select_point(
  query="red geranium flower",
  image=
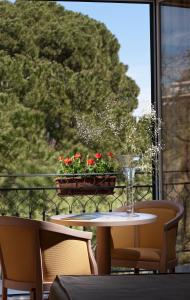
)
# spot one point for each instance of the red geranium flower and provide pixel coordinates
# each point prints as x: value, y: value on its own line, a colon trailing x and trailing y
x: 90, y: 162
x: 98, y: 155
x: 79, y: 163
x: 67, y: 161
x: 110, y: 154
x: 60, y: 158
x: 77, y: 155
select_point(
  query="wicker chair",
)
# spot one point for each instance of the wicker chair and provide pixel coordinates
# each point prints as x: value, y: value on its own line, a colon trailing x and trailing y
x: 33, y: 252
x: 150, y: 246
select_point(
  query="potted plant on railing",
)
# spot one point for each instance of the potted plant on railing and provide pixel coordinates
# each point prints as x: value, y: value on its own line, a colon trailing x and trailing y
x: 86, y: 175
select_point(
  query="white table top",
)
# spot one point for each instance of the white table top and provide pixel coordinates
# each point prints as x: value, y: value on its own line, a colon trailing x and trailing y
x: 104, y: 219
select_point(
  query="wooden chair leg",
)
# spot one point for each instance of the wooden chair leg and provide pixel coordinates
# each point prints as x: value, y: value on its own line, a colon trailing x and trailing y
x: 4, y: 293
x: 172, y: 270
x: 32, y: 294
x: 163, y: 270
x: 136, y: 271
x: 39, y: 293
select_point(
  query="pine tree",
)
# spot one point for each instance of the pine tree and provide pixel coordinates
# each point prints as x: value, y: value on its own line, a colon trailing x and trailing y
x: 55, y: 66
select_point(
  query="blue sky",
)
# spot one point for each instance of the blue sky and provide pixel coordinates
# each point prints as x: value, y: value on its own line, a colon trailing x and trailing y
x: 130, y: 24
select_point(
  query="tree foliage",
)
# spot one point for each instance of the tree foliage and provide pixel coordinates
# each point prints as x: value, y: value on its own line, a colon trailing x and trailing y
x: 55, y: 66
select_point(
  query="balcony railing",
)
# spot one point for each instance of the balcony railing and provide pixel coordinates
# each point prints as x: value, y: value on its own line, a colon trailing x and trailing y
x: 35, y: 195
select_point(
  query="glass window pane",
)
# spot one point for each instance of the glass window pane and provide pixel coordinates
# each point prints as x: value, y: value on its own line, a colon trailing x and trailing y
x: 175, y: 53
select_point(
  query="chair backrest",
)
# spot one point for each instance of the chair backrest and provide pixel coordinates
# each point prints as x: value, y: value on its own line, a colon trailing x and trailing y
x: 149, y: 235
x: 123, y: 237
x: 65, y: 253
x: 19, y: 249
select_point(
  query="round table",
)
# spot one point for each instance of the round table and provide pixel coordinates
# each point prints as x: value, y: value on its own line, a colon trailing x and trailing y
x: 103, y: 222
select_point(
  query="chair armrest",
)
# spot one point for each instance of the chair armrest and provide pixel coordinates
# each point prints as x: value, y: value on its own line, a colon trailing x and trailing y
x: 169, y: 244
x: 174, y: 222
x: 169, y: 236
x: 169, y: 225
x: 52, y: 227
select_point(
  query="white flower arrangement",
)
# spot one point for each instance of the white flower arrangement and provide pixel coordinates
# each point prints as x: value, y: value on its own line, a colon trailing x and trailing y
x: 136, y: 136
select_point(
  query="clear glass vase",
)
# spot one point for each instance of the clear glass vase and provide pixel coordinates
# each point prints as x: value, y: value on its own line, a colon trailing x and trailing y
x: 129, y: 164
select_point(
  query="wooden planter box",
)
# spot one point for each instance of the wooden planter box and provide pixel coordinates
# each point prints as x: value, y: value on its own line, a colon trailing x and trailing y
x: 88, y: 185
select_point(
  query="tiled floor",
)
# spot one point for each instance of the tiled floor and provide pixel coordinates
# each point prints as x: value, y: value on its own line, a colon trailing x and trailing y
x: 22, y: 297
x: 183, y: 269
x: 18, y: 295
